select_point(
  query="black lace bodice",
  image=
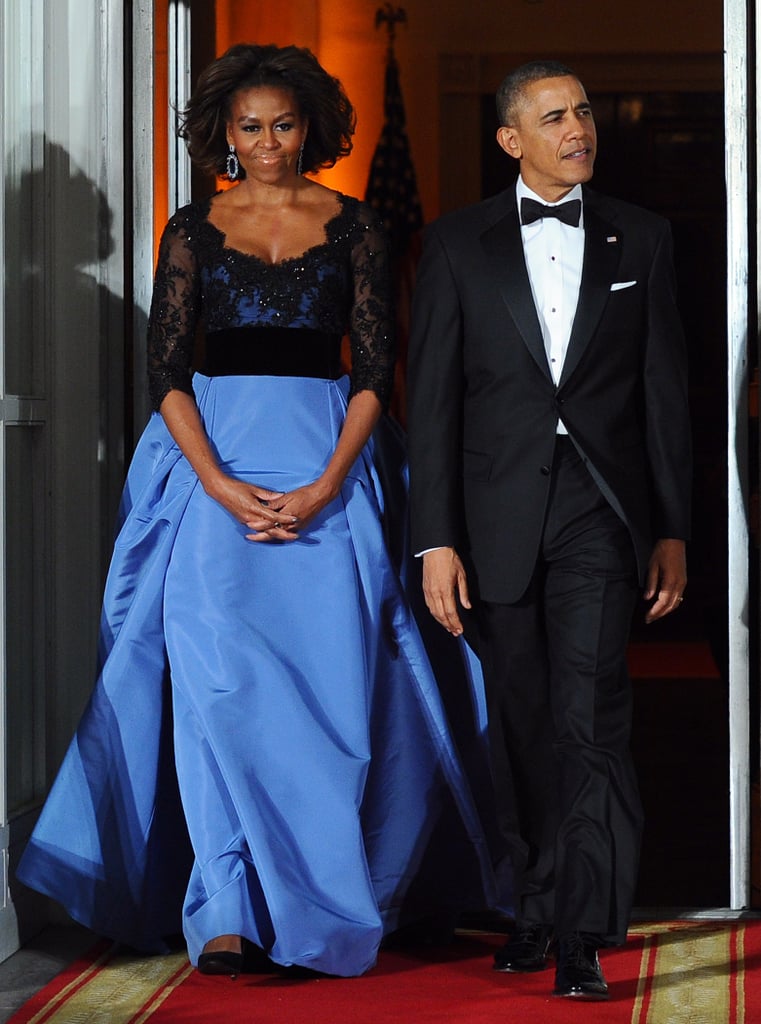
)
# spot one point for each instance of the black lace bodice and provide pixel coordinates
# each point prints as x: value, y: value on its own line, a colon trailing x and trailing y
x: 343, y: 284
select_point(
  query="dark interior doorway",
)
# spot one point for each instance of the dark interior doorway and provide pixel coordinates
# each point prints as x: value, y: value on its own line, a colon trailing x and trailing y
x: 665, y: 151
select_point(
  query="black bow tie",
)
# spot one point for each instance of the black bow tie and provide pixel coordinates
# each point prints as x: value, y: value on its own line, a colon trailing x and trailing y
x: 568, y: 212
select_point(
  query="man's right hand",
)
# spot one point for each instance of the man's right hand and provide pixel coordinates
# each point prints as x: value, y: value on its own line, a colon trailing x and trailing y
x: 443, y: 576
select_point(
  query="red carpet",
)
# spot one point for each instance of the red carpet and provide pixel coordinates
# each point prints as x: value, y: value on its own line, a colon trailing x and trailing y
x: 685, y: 971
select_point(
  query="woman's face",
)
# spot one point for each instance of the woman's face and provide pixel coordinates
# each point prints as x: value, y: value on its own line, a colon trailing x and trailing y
x: 267, y: 130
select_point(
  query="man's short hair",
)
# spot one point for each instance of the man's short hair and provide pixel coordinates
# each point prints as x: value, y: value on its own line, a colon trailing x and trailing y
x: 510, y: 92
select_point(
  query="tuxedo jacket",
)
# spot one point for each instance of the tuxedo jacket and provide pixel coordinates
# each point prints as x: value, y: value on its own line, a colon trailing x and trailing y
x: 483, y: 407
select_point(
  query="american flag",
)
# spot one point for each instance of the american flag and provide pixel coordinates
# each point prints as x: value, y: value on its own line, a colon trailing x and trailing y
x: 392, y: 185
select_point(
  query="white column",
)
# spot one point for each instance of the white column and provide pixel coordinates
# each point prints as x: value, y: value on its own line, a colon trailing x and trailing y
x: 143, y: 190
x: 737, y: 130
x: 179, y: 93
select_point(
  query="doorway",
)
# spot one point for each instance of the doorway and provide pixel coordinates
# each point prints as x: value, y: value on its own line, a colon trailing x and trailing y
x: 661, y: 146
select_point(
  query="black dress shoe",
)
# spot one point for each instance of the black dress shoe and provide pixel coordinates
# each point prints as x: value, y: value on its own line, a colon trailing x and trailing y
x: 578, y: 974
x: 525, y: 951
x: 222, y: 962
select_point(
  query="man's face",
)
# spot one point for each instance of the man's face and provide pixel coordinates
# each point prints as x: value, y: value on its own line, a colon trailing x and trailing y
x: 554, y: 137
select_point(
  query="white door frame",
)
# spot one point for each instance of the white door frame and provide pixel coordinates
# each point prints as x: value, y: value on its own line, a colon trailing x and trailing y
x: 143, y: 192
x: 738, y: 183
x: 144, y: 189
x: 178, y: 58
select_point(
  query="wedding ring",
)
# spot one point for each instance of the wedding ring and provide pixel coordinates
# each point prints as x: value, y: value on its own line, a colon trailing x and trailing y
x: 278, y: 526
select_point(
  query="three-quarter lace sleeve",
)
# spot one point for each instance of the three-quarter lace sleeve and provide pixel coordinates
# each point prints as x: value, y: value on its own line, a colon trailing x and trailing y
x: 175, y: 310
x: 371, y: 325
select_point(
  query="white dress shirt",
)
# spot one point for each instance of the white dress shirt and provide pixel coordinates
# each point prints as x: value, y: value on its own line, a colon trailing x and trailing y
x: 554, y: 254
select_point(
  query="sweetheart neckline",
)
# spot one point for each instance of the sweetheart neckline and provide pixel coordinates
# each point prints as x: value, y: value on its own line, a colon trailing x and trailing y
x: 286, y: 260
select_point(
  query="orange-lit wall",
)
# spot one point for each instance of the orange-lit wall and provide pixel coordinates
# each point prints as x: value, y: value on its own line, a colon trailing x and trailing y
x: 268, y: 21
x: 343, y: 35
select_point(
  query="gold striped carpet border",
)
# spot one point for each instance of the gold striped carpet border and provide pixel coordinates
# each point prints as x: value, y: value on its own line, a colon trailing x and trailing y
x: 689, y: 973
x: 117, y: 988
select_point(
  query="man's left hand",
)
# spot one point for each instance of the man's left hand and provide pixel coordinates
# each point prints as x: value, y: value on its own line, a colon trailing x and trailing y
x: 666, y: 578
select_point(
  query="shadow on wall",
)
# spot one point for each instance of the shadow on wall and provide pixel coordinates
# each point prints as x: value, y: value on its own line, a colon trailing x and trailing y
x: 68, y: 333
x: 66, y: 350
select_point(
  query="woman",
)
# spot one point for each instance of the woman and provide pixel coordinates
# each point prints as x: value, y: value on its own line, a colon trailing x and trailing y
x: 310, y: 749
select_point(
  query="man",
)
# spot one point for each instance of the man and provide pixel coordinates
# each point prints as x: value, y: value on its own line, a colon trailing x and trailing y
x: 550, y: 480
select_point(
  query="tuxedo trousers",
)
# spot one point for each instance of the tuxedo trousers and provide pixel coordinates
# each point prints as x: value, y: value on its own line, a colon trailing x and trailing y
x: 559, y: 706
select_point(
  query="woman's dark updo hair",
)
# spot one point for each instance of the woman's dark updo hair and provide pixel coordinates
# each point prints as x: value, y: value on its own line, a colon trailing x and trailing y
x: 320, y: 98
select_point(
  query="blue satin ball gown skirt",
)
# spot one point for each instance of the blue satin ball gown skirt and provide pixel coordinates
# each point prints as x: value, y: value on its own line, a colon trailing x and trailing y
x: 272, y: 703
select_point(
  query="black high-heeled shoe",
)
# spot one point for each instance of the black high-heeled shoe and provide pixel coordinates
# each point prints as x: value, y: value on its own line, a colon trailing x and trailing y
x: 222, y: 962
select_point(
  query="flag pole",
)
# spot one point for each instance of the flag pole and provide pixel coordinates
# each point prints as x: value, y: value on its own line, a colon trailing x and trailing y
x: 392, y: 192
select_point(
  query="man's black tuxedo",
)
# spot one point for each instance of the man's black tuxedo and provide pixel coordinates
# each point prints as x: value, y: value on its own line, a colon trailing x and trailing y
x: 554, y: 534
x: 484, y: 408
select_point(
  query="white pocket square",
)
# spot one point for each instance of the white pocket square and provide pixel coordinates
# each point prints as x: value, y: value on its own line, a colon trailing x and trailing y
x: 618, y: 285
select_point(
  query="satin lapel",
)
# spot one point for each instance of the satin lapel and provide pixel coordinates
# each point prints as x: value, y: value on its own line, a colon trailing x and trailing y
x: 602, y: 253
x: 504, y: 247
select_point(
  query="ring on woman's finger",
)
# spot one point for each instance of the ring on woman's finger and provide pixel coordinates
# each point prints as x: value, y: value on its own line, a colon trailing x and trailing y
x: 278, y: 526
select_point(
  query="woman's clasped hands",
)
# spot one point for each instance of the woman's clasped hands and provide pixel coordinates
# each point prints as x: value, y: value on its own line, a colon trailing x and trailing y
x: 271, y: 515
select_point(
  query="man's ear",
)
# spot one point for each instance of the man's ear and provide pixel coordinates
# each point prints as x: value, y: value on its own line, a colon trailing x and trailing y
x: 507, y: 139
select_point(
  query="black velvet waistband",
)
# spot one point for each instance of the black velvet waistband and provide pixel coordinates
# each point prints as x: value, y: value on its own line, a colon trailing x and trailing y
x: 272, y: 351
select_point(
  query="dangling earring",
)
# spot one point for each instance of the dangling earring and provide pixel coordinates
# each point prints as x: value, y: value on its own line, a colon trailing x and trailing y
x: 300, y: 162
x: 232, y: 165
